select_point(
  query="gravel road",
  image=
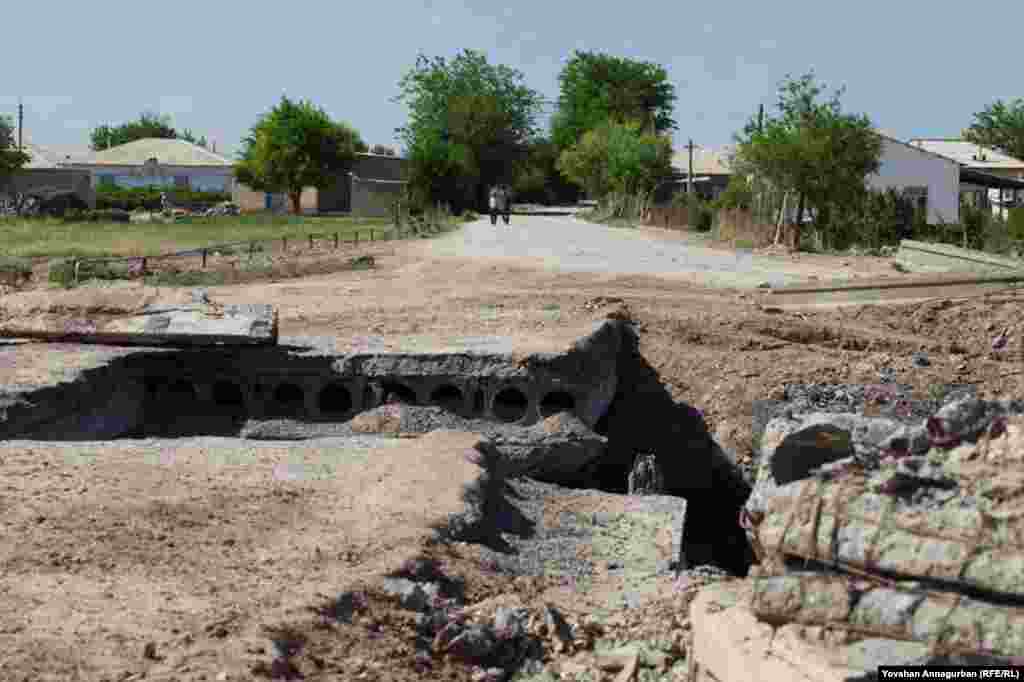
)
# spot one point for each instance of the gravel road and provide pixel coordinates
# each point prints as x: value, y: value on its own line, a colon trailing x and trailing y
x: 569, y: 244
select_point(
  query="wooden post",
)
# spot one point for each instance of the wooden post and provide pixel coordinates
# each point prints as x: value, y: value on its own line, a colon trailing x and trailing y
x: 252, y: 249
x: 357, y: 236
x: 335, y: 240
x: 689, y: 175
x: 77, y: 263
x: 204, y: 259
x: 311, y: 242
x: 284, y: 243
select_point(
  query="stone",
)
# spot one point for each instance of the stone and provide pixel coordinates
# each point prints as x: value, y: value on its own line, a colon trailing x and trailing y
x: 474, y: 643
x: 645, y: 478
x: 559, y: 449
x: 510, y: 623
x: 154, y: 325
x: 411, y: 595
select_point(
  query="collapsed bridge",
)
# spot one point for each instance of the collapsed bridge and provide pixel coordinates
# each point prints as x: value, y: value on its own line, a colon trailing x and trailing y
x: 600, y: 383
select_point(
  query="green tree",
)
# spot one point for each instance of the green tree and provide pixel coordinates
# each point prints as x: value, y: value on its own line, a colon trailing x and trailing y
x: 814, y: 151
x: 11, y: 158
x: 537, y: 178
x: 293, y: 146
x: 469, y: 125
x: 148, y: 125
x: 617, y: 160
x: 189, y: 136
x: 1000, y: 125
x: 596, y: 87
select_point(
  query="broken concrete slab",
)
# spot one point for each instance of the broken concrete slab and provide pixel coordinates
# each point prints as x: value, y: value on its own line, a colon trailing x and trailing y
x: 733, y: 645
x: 154, y: 325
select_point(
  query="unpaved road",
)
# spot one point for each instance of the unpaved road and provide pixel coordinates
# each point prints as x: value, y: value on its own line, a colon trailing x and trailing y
x: 570, y: 244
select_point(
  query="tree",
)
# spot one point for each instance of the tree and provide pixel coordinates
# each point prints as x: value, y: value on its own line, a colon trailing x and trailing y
x: 1000, y: 125
x: 11, y: 158
x: 596, y: 87
x: 189, y: 136
x: 537, y: 178
x: 293, y: 146
x: 382, y: 149
x: 469, y: 124
x: 813, y: 150
x: 618, y: 160
x: 148, y: 125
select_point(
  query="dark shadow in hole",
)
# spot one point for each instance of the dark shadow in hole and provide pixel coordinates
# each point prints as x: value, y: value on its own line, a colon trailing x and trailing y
x: 510, y: 405
x: 396, y: 392
x: 478, y: 402
x: 228, y: 394
x: 555, y: 402
x: 448, y: 397
x: 287, y: 401
x: 644, y: 417
x: 335, y: 398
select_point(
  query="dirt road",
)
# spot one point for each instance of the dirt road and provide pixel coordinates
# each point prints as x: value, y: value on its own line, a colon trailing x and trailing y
x: 570, y: 244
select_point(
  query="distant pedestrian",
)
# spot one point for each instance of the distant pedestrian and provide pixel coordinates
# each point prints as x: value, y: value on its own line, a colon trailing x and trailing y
x: 498, y: 204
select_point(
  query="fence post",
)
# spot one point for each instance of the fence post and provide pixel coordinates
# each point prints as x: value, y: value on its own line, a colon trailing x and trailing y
x: 252, y: 249
x: 311, y: 241
x: 77, y: 262
x: 335, y: 240
x: 284, y: 243
x: 357, y: 236
x: 204, y: 258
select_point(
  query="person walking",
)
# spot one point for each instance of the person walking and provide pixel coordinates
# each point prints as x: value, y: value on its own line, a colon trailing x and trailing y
x: 499, y: 204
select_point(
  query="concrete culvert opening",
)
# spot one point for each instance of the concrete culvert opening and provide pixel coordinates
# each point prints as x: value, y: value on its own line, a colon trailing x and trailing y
x: 478, y: 401
x: 448, y: 397
x: 510, y: 405
x: 395, y: 392
x: 181, y: 392
x: 288, y: 400
x: 335, y: 399
x: 555, y: 402
x: 227, y: 394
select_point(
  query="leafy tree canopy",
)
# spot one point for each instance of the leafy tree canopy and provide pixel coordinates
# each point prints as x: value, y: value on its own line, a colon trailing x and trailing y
x: 596, y: 87
x: 148, y: 125
x: 469, y: 123
x: 812, y: 149
x: 293, y: 146
x: 618, y: 158
x: 1001, y: 126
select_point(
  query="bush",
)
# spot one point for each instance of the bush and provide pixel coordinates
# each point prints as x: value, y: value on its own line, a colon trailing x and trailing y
x: 98, y: 216
x: 701, y: 213
x: 148, y: 198
x: 16, y: 266
x: 62, y: 271
x: 1015, y: 224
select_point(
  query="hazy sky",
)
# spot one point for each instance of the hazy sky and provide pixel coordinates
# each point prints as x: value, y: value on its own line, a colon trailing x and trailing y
x: 917, y: 69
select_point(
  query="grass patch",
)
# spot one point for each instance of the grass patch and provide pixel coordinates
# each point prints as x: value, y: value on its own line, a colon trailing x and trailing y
x: 15, y: 266
x: 55, y: 238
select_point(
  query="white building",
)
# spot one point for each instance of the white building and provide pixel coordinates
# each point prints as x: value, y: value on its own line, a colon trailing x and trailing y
x: 980, y: 162
x: 160, y: 162
x: 933, y: 180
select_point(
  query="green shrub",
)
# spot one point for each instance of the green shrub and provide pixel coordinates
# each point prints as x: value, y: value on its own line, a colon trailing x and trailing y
x: 16, y: 266
x: 62, y: 271
x: 1015, y: 224
x: 148, y: 198
x: 112, y: 215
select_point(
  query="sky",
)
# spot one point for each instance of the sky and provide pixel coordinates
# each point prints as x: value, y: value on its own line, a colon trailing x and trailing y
x: 915, y: 69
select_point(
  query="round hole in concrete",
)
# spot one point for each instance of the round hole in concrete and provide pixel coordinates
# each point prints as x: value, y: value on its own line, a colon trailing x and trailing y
x: 335, y: 399
x: 555, y: 402
x: 510, y: 405
x: 227, y: 394
x: 395, y: 391
x: 478, y: 401
x: 288, y: 398
x: 449, y: 397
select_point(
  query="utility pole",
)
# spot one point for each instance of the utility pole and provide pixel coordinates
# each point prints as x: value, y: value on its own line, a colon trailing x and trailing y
x: 689, y: 175
x: 21, y: 121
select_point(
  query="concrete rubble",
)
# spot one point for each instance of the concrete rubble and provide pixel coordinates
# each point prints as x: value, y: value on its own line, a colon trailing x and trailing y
x: 901, y: 530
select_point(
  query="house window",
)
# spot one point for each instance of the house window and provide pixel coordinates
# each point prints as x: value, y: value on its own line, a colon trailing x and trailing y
x: 181, y: 181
